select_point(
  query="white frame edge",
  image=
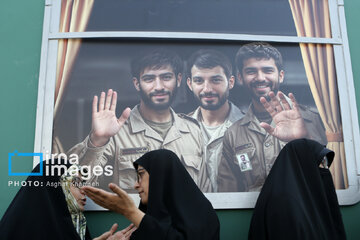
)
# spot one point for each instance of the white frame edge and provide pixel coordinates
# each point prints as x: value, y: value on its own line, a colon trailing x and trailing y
x: 351, y: 88
x: 194, y: 36
x: 348, y: 108
x: 47, y: 78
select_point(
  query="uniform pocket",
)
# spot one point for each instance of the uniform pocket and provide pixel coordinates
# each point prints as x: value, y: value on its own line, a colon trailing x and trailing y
x: 126, y: 170
x: 126, y: 162
x: 192, y: 161
x: 250, y: 152
x: 192, y: 164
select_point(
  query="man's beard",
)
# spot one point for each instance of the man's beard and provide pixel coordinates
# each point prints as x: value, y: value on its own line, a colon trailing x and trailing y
x: 213, y: 107
x: 158, y: 106
x: 266, y: 96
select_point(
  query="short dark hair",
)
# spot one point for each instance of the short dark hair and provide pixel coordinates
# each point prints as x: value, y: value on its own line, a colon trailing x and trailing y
x: 208, y: 58
x: 258, y: 50
x: 156, y: 59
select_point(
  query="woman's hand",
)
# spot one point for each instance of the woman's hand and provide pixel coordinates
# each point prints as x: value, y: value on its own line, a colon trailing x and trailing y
x: 108, y: 234
x: 123, y: 234
x: 118, y: 201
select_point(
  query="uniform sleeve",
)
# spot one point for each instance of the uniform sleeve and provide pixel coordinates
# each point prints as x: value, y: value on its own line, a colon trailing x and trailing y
x: 93, y: 156
x: 314, y: 126
x: 227, y: 180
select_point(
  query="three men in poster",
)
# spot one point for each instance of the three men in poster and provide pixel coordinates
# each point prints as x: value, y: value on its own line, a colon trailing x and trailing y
x: 237, y: 162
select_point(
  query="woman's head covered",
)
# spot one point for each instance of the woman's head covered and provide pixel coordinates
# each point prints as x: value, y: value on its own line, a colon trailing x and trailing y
x: 173, y: 196
x: 71, y: 183
x: 39, y: 210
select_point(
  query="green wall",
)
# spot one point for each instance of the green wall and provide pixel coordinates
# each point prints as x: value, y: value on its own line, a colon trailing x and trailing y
x: 20, y: 44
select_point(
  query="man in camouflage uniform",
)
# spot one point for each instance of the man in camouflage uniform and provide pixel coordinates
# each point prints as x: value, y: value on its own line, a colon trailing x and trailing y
x: 252, y: 144
x: 210, y: 79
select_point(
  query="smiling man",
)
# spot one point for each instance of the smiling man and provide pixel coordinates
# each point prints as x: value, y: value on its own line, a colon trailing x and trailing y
x: 150, y: 125
x: 271, y: 121
x: 210, y: 79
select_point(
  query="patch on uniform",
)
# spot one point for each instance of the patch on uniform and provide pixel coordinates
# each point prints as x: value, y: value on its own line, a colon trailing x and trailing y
x: 130, y: 151
x: 244, y: 162
x: 244, y: 146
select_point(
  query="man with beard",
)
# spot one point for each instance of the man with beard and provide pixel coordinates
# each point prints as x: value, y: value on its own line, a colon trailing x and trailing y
x: 150, y: 125
x: 210, y: 79
x: 271, y: 121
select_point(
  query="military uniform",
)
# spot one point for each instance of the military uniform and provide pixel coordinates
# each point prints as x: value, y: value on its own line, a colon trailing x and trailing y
x: 136, y: 138
x: 213, y: 145
x: 249, y: 151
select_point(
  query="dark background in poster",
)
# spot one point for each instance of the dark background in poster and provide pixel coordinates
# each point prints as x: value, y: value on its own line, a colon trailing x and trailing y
x: 104, y: 64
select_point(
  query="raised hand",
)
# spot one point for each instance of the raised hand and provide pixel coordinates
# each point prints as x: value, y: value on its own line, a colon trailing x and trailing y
x: 289, y: 124
x: 118, y: 201
x: 105, y: 124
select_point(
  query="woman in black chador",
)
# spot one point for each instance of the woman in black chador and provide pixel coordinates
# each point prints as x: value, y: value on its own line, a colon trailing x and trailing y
x: 298, y: 199
x: 50, y: 207
x: 172, y: 206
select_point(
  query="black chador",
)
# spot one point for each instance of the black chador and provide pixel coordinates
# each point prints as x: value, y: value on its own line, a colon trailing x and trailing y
x: 298, y: 199
x: 39, y: 211
x: 176, y: 208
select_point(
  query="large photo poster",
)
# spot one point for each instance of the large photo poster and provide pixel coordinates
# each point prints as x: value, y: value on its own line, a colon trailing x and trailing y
x: 201, y: 100
x: 225, y: 107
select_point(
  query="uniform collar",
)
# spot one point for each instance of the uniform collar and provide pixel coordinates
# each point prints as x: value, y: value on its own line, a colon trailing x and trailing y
x: 234, y: 115
x: 138, y: 124
x: 252, y: 122
x: 196, y: 114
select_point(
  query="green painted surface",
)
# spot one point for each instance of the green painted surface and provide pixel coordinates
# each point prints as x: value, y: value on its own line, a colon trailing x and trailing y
x: 352, y: 8
x: 20, y: 44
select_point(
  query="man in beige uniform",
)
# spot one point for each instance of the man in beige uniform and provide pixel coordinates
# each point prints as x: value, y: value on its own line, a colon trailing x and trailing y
x: 148, y: 126
x: 210, y: 79
x: 252, y: 144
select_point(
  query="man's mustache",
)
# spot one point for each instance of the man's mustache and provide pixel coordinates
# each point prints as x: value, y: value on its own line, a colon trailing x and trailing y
x: 162, y: 92
x: 209, y: 95
x: 256, y: 83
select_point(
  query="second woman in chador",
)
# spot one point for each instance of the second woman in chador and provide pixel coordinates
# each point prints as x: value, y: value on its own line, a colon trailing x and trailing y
x: 172, y: 206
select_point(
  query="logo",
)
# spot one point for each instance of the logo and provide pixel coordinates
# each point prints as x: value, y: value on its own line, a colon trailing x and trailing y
x: 56, y: 163
x: 15, y: 154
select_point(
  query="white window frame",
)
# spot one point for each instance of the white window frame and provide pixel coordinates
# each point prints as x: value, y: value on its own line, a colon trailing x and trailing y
x: 346, y: 90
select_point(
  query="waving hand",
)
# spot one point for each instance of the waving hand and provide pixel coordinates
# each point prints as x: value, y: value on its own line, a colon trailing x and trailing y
x: 105, y: 124
x: 289, y: 124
